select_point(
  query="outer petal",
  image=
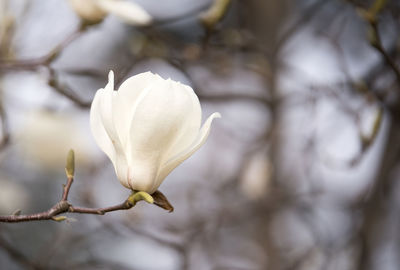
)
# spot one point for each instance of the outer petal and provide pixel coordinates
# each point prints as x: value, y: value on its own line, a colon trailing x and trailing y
x: 128, y: 11
x: 99, y: 133
x: 189, y: 128
x: 160, y: 117
x: 126, y: 100
x: 106, y: 111
x: 104, y: 131
x: 173, y: 162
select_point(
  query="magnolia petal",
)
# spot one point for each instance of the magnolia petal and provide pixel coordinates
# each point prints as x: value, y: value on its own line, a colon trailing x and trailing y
x: 159, y: 117
x: 178, y: 159
x: 127, y: 98
x: 189, y: 128
x: 110, y: 84
x: 141, y: 80
x: 103, y: 129
x: 128, y: 11
x: 122, y: 169
x: 106, y: 112
x: 142, y: 175
x: 99, y: 133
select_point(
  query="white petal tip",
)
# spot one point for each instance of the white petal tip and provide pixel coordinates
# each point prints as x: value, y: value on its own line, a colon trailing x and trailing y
x: 111, y: 75
x: 155, y: 75
x: 216, y: 115
x: 110, y: 84
x: 207, y: 124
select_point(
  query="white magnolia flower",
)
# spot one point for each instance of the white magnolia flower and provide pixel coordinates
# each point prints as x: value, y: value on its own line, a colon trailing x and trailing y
x: 94, y: 11
x: 147, y: 128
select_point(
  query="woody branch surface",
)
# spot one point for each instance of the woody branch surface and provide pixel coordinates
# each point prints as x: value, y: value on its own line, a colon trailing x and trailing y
x: 64, y: 206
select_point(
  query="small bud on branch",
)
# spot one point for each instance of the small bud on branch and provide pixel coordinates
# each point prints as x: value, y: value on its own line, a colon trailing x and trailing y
x: 64, y: 206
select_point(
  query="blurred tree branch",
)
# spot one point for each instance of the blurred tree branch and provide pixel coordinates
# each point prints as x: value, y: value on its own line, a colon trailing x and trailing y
x: 46, y: 60
x: 66, y: 91
x: 5, y: 134
x: 375, y: 40
x: 19, y: 257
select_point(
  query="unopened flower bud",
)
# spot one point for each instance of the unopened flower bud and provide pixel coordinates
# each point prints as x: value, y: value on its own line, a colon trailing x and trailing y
x: 147, y: 128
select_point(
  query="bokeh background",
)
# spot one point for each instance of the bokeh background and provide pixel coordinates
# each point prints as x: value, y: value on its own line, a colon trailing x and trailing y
x: 301, y: 171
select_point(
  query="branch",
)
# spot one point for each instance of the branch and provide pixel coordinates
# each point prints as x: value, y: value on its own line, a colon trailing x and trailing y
x: 371, y: 15
x: 300, y: 22
x: 45, y: 60
x: 33, y: 64
x: 5, y: 133
x: 226, y: 97
x: 18, y: 256
x: 64, y: 206
x: 376, y: 42
x: 65, y: 90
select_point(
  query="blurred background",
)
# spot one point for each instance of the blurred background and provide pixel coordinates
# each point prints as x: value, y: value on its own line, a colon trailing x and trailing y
x: 300, y: 173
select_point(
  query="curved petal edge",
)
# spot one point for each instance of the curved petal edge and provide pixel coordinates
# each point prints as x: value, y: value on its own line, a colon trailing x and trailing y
x: 173, y: 162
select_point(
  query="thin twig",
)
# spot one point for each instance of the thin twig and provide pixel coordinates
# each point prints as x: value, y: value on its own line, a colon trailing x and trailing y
x: 64, y: 206
x: 300, y: 22
x: 226, y: 97
x: 5, y: 139
x: 67, y: 187
x: 101, y: 211
x: 65, y: 91
x: 32, y: 64
x: 377, y: 44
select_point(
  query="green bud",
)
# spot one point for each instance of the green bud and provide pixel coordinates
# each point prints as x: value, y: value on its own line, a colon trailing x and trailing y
x: 70, y: 167
x: 140, y: 196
